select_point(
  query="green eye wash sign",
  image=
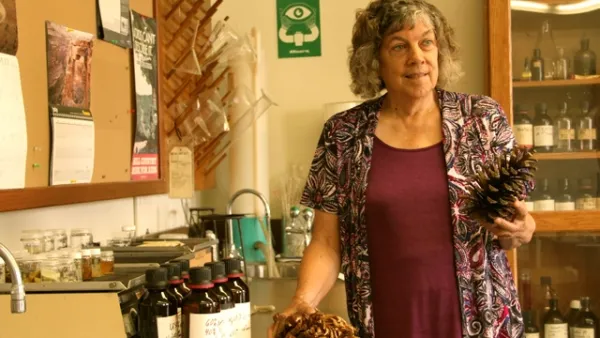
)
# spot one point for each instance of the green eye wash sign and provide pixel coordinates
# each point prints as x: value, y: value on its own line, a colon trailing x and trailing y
x: 298, y: 28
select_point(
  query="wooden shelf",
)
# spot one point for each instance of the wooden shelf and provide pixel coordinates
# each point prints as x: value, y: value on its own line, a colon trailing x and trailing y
x: 580, y: 220
x: 583, y: 155
x: 555, y: 83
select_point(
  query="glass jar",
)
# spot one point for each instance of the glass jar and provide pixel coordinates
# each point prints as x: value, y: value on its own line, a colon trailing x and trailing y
x: 81, y: 238
x: 107, y: 262
x: 48, y: 241
x: 33, y: 241
x: 86, y: 264
x: 60, y: 238
x: 78, y: 264
x: 96, y: 265
x: 31, y: 268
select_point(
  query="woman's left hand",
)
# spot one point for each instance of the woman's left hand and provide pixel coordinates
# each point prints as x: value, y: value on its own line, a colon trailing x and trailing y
x: 515, y: 233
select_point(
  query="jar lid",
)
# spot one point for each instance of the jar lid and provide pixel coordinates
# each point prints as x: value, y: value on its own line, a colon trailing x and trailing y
x: 76, y: 254
x: 96, y: 251
x: 107, y: 253
x: 59, y: 231
x: 80, y: 231
x: 31, y: 234
x: 86, y: 252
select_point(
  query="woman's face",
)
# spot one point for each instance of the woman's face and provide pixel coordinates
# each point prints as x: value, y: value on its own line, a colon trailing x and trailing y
x: 408, y: 60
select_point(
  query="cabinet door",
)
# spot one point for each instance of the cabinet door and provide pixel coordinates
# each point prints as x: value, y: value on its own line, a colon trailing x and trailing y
x: 570, y: 261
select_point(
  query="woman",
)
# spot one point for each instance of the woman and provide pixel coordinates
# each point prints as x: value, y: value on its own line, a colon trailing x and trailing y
x: 386, y: 182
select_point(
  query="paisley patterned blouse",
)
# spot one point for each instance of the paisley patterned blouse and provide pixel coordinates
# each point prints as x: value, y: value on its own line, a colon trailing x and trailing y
x: 474, y: 129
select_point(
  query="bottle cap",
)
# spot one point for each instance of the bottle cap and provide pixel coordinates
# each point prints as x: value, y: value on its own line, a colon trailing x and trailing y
x: 185, y: 266
x: 575, y: 304
x: 585, y: 302
x: 541, y: 106
x: 217, y: 270
x: 86, y: 252
x: 96, y: 252
x: 546, y: 280
x: 200, y: 276
x: 156, y: 278
x: 527, y: 317
x: 173, y: 271
x: 233, y: 266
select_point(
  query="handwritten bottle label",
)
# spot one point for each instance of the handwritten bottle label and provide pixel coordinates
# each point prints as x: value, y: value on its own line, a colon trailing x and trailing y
x: 543, y: 136
x: 167, y: 327
x: 226, y: 323
x: 566, y: 134
x: 543, y: 205
x: 556, y: 330
x: 179, y: 323
x: 587, y: 134
x: 532, y: 335
x: 586, y: 203
x: 565, y: 206
x: 243, y: 328
x: 204, y: 325
x: 581, y: 332
x: 524, y: 134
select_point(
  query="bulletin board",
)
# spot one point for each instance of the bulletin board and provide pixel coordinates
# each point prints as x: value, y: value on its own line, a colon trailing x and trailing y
x: 112, y: 88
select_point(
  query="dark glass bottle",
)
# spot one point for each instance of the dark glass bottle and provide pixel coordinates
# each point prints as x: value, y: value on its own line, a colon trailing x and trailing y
x: 586, y: 323
x: 574, y: 309
x: 564, y: 129
x: 586, y: 129
x: 241, y: 297
x: 543, y: 129
x: 174, y: 276
x: 586, y: 197
x: 228, y: 315
x: 531, y: 330
x: 543, y: 199
x: 555, y: 325
x: 523, y: 128
x: 537, y: 65
x: 201, y: 309
x: 157, y: 312
x: 185, y: 276
x: 585, y: 59
x: 564, y: 200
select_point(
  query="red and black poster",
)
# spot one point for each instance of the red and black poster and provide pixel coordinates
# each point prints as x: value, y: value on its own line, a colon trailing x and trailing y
x: 145, y: 160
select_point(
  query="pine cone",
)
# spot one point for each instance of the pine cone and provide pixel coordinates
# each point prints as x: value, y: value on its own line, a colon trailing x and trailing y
x: 315, y: 325
x: 493, y: 190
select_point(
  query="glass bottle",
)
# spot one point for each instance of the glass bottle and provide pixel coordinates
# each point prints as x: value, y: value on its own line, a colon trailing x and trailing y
x: 225, y: 297
x: 537, y: 65
x: 586, y: 197
x: 526, y: 74
x: 561, y: 65
x: 241, y: 297
x: 96, y: 262
x: 585, y: 59
x: 531, y: 330
x: 523, y: 128
x: 86, y: 264
x: 586, y: 129
x: 574, y: 309
x: 107, y: 262
x: 564, y: 129
x: 564, y: 200
x: 543, y: 201
x: 555, y: 324
x: 525, y: 290
x: 545, y: 43
x: 543, y: 129
x: 586, y: 324
x: 157, y: 316
x: 185, y: 277
x: 201, y: 309
x: 174, y: 278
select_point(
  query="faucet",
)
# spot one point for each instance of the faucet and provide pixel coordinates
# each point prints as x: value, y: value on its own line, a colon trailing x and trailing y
x: 17, y: 291
x: 229, y: 249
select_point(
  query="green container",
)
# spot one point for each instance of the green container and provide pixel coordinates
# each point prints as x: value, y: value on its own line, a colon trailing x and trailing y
x: 251, y: 233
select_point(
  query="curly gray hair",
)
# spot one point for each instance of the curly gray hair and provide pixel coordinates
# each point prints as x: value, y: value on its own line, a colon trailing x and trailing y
x: 384, y: 17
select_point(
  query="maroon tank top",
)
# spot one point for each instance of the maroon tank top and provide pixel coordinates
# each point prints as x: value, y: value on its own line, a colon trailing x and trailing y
x: 415, y: 294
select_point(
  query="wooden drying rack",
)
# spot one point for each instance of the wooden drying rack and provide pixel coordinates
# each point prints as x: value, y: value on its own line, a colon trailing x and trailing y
x: 177, y: 21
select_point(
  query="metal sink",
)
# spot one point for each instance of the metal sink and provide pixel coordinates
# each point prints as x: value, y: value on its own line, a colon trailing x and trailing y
x: 279, y: 292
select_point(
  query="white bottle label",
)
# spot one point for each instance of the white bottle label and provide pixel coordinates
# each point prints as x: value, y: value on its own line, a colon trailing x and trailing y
x: 587, y: 134
x: 586, y: 203
x: 565, y: 206
x: 226, y: 323
x: 204, y: 325
x: 524, y: 134
x: 243, y: 327
x: 167, y: 327
x: 543, y: 136
x: 556, y: 330
x: 543, y: 205
x: 532, y: 335
x: 581, y: 332
x: 179, y: 323
x: 529, y: 205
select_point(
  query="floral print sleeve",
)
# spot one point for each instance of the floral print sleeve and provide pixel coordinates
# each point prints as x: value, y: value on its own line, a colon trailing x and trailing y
x: 320, y: 192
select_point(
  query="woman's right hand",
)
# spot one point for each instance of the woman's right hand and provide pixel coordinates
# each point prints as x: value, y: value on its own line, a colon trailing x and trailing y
x: 297, y: 306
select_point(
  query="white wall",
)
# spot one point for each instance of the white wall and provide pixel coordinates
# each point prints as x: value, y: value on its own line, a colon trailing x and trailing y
x: 301, y: 86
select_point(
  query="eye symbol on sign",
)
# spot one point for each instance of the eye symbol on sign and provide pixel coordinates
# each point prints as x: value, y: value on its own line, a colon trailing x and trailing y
x: 298, y: 13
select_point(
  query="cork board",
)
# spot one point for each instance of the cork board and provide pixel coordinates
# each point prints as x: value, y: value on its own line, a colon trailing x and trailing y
x: 112, y: 87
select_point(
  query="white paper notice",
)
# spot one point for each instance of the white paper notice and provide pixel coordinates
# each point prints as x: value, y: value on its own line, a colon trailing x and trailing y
x: 13, y: 127
x: 110, y: 14
x: 72, y: 158
x: 181, y: 173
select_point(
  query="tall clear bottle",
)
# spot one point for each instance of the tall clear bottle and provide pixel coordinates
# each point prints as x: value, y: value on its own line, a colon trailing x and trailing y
x: 545, y: 43
x: 564, y: 129
x: 586, y: 129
